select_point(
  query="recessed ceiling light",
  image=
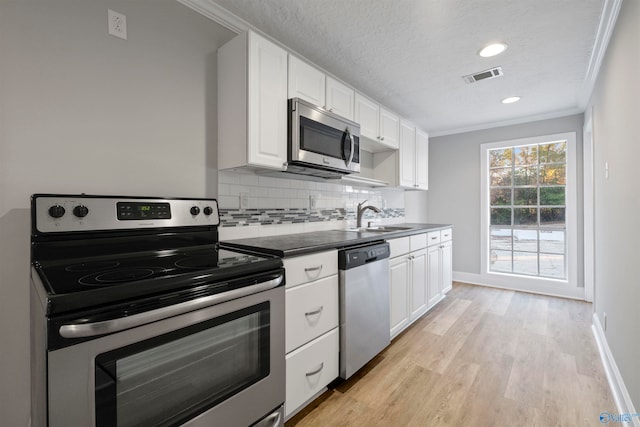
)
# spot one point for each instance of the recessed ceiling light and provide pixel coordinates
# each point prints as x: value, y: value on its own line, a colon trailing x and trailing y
x: 492, y: 50
x: 511, y: 100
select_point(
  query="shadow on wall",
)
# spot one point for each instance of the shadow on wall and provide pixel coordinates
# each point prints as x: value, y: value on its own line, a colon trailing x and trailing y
x: 211, y: 121
x: 15, y: 231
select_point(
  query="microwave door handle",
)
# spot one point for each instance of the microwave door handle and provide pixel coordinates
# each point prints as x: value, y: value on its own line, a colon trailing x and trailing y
x: 353, y: 147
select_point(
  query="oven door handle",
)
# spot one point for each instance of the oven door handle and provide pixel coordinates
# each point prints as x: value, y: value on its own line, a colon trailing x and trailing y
x: 83, y: 330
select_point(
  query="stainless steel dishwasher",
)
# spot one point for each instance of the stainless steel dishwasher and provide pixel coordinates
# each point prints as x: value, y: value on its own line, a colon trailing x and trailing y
x: 364, y: 305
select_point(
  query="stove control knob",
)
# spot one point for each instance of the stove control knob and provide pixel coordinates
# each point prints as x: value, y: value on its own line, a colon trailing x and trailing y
x: 208, y: 210
x: 195, y: 210
x: 80, y: 211
x: 56, y: 211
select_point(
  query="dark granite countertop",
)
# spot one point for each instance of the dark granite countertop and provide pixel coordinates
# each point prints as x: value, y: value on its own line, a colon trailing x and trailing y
x: 288, y: 245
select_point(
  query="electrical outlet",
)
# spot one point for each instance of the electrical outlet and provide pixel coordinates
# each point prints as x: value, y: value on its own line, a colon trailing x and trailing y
x: 313, y: 201
x: 117, y: 24
x: 244, y: 200
x: 606, y: 170
x: 604, y: 321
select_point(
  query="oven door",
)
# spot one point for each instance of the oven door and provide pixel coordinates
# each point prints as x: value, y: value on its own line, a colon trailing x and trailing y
x: 321, y: 138
x: 220, y: 365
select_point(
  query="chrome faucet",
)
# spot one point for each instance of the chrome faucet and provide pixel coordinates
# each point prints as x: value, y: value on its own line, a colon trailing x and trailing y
x: 361, y: 212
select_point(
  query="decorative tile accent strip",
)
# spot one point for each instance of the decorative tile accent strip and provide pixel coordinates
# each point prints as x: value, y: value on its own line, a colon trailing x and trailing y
x: 245, y: 217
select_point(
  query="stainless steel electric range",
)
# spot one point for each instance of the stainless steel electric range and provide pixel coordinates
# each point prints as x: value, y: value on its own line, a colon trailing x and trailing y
x: 139, y: 319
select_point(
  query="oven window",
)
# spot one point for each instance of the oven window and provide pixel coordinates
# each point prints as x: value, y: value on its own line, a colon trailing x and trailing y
x: 171, y: 378
x: 321, y: 139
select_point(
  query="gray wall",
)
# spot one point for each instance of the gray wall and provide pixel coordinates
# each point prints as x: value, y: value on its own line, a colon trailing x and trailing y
x: 616, y: 129
x: 82, y: 111
x: 454, y: 182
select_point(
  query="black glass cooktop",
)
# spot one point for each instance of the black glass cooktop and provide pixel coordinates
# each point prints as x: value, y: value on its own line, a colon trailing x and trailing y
x: 130, y: 270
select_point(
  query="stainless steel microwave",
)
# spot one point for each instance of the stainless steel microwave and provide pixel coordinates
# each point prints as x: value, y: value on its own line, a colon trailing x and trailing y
x: 321, y: 143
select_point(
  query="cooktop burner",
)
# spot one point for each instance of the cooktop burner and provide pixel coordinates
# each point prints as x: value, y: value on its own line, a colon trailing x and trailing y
x: 68, y: 276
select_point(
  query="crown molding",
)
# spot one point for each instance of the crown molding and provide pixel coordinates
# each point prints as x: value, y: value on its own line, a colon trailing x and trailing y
x: 517, y: 121
x: 219, y: 14
x: 608, y: 19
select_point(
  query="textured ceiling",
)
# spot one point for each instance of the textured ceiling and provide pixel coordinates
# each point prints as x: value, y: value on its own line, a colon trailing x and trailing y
x: 410, y: 55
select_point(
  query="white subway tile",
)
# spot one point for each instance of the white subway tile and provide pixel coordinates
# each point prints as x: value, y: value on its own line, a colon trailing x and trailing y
x: 229, y: 202
x: 274, y: 193
x: 246, y: 179
x: 223, y: 190
x: 226, y: 177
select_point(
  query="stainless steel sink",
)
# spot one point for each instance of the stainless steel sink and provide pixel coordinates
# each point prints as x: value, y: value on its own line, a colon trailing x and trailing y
x: 380, y: 229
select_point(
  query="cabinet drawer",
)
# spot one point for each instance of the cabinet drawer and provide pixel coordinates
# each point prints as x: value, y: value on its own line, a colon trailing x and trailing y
x: 446, y: 234
x: 311, y: 267
x: 310, y: 368
x: 418, y: 241
x: 433, y: 238
x: 311, y: 310
x: 399, y: 246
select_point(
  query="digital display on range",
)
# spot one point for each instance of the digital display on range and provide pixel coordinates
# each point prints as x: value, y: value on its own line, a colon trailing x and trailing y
x: 137, y: 211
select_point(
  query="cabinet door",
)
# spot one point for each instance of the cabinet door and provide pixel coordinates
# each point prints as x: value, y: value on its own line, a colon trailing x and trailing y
x: 407, y: 161
x: 422, y: 160
x: 389, y: 128
x: 399, y: 294
x: 418, y: 283
x: 267, y: 96
x: 306, y: 82
x: 433, y: 274
x: 340, y: 98
x: 446, y: 263
x: 366, y: 113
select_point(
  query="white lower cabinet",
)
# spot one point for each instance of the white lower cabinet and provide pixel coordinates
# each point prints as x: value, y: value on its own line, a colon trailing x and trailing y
x: 439, y: 264
x: 311, y: 326
x: 399, y: 282
x: 420, y: 274
x: 310, y: 368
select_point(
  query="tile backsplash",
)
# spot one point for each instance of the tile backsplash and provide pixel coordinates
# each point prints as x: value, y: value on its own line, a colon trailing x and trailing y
x: 252, y: 205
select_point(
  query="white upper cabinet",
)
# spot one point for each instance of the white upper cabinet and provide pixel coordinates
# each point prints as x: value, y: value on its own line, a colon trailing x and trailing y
x: 252, y: 100
x: 407, y: 160
x: 367, y: 113
x: 422, y: 160
x: 378, y: 125
x: 389, y: 123
x: 340, y: 98
x: 306, y: 82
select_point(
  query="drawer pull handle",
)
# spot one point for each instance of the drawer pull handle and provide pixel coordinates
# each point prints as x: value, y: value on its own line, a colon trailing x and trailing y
x: 315, y: 371
x: 309, y: 269
x: 316, y: 311
x: 434, y: 238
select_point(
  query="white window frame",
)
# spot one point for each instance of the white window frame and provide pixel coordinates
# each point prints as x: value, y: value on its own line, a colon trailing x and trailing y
x: 568, y: 287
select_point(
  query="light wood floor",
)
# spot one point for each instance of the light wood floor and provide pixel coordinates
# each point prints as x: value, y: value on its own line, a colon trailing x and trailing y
x: 482, y: 357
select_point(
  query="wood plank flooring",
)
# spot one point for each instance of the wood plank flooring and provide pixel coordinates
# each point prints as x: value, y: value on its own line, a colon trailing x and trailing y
x: 482, y: 357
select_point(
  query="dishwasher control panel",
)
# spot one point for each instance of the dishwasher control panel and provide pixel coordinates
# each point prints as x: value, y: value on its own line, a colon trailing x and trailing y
x: 355, y: 257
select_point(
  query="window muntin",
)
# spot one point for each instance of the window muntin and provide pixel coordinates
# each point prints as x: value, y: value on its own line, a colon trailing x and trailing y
x: 527, y: 205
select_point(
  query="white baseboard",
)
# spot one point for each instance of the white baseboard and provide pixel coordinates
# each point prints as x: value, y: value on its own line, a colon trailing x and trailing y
x: 616, y: 383
x: 506, y: 282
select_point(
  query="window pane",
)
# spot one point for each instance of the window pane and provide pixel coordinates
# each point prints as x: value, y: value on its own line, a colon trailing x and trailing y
x: 552, y: 241
x: 500, y: 177
x: 525, y: 263
x: 500, y: 196
x: 525, y: 216
x: 552, y: 175
x: 525, y: 175
x: 500, y: 158
x: 525, y: 240
x: 525, y: 196
x: 552, y: 196
x: 500, y: 216
x: 552, y: 265
x: 501, y: 238
x: 553, y: 153
x: 527, y: 155
x: 501, y: 261
x: 552, y: 216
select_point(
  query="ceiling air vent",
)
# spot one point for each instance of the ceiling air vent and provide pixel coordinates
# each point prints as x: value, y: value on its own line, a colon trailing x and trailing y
x: 483, y: 75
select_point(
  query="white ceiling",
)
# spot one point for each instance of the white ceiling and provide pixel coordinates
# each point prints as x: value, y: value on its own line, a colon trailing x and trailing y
x: 410, y: 55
